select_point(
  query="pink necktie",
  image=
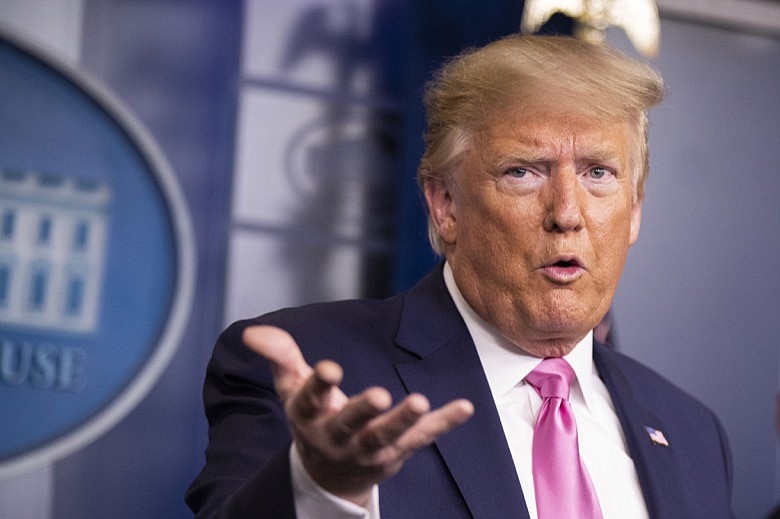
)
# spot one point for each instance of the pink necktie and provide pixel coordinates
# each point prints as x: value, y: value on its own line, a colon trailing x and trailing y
x: 562, y: 486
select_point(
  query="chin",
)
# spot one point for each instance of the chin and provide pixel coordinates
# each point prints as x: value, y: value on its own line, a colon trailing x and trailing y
x: 562, y: 329
x: 565, y: 313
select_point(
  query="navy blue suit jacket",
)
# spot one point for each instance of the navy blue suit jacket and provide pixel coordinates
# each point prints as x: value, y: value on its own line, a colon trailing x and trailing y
x: 417, y: 342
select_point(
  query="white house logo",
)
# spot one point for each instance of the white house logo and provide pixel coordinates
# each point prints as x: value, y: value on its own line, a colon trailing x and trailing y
x: 96, y: 261
x: 52, y: 250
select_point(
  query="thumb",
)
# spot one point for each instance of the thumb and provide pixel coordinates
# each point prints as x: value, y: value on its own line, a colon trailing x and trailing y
x: 280, y: 349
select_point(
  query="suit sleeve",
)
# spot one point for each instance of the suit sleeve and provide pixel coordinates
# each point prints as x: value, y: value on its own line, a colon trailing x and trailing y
x: 247, y: 470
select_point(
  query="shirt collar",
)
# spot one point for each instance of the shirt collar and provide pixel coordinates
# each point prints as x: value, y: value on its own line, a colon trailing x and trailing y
x: 504, y: 363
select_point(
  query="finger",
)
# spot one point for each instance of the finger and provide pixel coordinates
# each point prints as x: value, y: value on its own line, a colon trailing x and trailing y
x: 320, y: 393
x: 389, y: 427
x: 434, y: 424
x: 357, y: 413
x: 280, y: 349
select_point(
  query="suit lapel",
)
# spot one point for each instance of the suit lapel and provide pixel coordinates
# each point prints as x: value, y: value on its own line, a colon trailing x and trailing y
x: 475, y: 453
x: 655, y: 464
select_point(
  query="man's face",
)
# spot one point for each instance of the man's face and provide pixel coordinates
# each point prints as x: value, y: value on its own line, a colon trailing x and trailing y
x: 538, y: 228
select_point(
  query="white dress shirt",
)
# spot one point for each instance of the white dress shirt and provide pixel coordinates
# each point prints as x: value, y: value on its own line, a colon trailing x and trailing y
x: 602, y: 444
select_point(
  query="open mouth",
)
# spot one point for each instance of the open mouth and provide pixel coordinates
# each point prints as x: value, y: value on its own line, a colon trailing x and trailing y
x: 567, y: 263
x: 564, y: 269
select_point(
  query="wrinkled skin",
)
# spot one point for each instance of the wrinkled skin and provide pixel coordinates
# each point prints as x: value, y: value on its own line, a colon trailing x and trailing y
x: 539, y: 224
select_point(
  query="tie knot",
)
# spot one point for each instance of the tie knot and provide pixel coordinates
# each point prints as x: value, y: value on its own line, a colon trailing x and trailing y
x: 551, y: 378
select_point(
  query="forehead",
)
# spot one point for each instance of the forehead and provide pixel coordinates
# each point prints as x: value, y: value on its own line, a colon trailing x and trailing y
x: 550, y: 134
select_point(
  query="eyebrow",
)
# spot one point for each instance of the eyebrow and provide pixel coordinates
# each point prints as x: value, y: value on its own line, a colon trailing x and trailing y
x: 533, y: 151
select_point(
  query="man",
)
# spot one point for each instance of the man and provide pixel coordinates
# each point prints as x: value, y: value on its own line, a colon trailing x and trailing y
x: 534, y: 171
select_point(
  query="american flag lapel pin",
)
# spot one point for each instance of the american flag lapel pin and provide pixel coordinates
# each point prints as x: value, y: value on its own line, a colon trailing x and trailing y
x: 656, y: 436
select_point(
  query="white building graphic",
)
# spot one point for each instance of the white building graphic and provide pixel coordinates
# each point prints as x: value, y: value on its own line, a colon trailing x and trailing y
x: 53, y: 232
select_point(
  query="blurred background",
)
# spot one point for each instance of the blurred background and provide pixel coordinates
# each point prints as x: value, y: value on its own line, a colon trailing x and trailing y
x: 285, y: 136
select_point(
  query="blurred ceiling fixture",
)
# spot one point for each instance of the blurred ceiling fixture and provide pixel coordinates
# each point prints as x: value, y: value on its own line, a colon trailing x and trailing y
x: 638, y: 18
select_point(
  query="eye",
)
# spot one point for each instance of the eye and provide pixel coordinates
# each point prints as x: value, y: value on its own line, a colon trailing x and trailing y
x: 598, y: 172
x: 517, y: 172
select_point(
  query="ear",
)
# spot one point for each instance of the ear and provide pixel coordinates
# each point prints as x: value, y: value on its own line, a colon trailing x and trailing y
x: 442, y: 210
x: 636, y: 221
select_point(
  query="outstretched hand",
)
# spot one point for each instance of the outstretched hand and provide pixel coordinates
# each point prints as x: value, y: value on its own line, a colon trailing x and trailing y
x: 348, y: 444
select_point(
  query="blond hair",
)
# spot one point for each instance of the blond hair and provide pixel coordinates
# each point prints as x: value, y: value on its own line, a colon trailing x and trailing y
x: 561, y: 72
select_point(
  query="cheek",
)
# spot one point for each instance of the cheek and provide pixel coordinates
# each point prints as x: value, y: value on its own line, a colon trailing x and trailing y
x: 611, y: 245
x: 613, y: 220
x: 618, y: 233
x: 504, y: 224
x: 507, y: 247
x: 492, y: 231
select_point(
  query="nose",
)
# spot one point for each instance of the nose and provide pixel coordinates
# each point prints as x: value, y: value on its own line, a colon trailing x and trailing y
x: 563, y: 204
